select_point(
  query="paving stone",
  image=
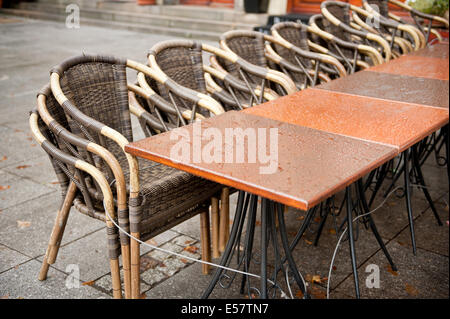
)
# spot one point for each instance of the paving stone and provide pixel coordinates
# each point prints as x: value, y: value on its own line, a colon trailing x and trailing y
x: 427, y: 232
x: 90, y: 253
x: 152, y: 277
x: 22, y: 282
x: 38, y: 170
x: 421, y: 276
x: 161, y: 256
x: 105, y: 283
x: 17, y: 146
x: 15, y: 190
x: 184, y: 241
x: 33, y: 240
x: 171, y: 265
x: 163, y: 238
x: 10, y: 258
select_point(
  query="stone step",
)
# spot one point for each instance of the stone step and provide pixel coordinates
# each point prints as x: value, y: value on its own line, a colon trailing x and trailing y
x: 139, y: 18
x: 194, y: 12
x: 185, y: 33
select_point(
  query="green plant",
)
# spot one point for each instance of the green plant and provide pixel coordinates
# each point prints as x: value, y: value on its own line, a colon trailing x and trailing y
x: 436, y: 7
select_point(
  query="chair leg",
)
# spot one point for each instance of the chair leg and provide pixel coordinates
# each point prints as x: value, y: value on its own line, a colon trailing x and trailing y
x: 224, y: 218
x: 126, y: 262
x: 135, y: 265
x: 205, y: 241
x: 58, y: 230
x: 215, y: 226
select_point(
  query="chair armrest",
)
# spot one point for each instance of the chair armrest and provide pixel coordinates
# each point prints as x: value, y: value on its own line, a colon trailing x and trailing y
x: 100, y: 128
x: 264, y: 73
x: 54, y: 152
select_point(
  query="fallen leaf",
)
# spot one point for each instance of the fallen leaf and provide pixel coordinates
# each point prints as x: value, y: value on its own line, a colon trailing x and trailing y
x: 411, y: 290
x: 184, y: 261
x: 2, y: 188
x: 4, y: 158
x: 152, y: 242
x: 299, y: 294
x: 191, y: 249
x: 22, y: 166
x: 389, y: 269
x: 54, y: 183
x: 22, y: 224
x: 317, y: 219
x: 300, y: 217
x: 257, y: 223
x: 308, y: 242
x: 188, y: 242
x: 88, y: 283
x: 316, y: 279
x: 332, y: 231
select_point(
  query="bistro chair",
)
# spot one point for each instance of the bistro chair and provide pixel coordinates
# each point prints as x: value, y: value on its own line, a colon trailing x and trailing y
x: 401, y: 37
x: 422, y: 29
x: 150, y: 198
x: 304, y: 73
x: 295, y: 49
x: 159, y: 59
x: 249, y: 46
x: 327, y: 39
x: 337, y: 14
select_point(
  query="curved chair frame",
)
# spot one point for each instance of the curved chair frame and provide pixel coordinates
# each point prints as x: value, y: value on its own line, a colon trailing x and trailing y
x: 351, y: 64
x: 363, y: 34
x: 315, y: 57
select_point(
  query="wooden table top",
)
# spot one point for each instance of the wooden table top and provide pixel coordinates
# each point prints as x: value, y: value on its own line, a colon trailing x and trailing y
x: 396, y: 124
x: 439, y: 50
x: 415, y: 65
x: 394, y: 87
x: 311, y: 166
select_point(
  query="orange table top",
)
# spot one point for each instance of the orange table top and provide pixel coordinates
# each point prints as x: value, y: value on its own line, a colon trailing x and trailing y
x: 394, y: 87
x: 414, y: 65
x: 439, y: 50
x: 397, y: 124
x: 311, y: 164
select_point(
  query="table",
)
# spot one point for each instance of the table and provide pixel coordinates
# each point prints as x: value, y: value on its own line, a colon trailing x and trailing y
x: 328, y: 138
x: 311, y: 166
x: 393, y: 87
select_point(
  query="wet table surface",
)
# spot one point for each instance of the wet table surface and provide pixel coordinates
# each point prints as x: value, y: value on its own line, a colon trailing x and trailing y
x: 439, y: 50
x: 310, y: 165
x: 397, y: 124
x: 393, y: 87
x: 414, y: 65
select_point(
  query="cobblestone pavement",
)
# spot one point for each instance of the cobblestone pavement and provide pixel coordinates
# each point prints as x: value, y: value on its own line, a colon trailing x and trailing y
x: 29, y: 199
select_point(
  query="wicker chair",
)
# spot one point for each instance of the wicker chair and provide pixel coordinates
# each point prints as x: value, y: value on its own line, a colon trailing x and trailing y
x: 294, y: 36
x: 217, y: 81
x: 149, y: 197
x: 337, y: 15
x: 279, y: 55
x: 249, y: 46
x: 401, y: 37
x: 422, y: 30
x: 327, y: 39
